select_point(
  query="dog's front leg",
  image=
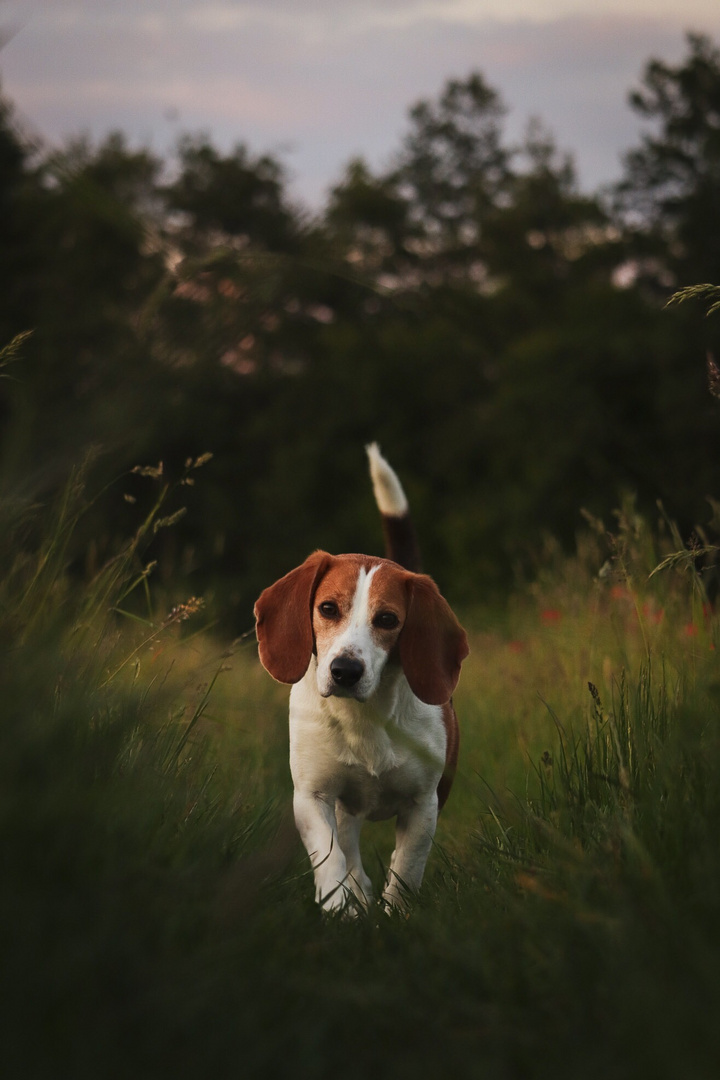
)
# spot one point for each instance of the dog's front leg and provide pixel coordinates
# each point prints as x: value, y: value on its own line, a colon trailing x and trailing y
x: 349, y: 827
x: 413, y: 840
x: 316, y: 823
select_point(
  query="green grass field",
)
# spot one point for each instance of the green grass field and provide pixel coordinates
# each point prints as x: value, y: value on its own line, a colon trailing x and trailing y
x: 157, y: 909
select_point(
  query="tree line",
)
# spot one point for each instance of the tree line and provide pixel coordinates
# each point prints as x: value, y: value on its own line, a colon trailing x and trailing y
x: 501, y: 333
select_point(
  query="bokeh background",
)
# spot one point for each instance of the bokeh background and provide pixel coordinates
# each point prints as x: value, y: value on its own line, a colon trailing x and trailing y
x: 275, y: 232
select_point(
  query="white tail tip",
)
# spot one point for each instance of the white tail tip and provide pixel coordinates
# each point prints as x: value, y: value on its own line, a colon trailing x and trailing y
x: 389, y: 494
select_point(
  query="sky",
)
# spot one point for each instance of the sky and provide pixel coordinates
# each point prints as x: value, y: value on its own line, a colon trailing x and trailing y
x: 317, y: 82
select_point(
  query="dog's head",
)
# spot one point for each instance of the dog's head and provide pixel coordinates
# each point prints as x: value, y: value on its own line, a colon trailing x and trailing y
x: 354, y: 611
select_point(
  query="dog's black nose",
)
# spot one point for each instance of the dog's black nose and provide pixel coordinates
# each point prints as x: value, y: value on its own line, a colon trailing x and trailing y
x: 346, y: 671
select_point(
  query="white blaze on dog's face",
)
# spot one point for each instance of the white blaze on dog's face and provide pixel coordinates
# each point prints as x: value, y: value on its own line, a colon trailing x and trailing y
x: 358, y: 614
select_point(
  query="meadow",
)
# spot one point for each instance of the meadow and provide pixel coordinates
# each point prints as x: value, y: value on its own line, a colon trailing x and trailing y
x: 157, y: 910
x: 505, y: 337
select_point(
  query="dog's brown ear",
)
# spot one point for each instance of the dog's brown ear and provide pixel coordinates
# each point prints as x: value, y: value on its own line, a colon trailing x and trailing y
x: 432, y: 644
x: 283, y: 616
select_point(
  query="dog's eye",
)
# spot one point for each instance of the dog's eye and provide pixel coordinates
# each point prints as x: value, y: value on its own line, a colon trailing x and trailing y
x: 386, y: 620
x: 328, y: 609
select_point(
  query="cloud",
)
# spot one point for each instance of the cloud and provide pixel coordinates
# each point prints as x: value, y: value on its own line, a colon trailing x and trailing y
x: 275, y: 82
x: 333, y: 17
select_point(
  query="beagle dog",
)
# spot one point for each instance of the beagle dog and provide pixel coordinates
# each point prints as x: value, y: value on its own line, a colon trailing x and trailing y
x: 373, y: 653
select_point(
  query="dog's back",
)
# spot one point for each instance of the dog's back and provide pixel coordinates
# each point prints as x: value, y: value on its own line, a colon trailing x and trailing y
x: 401, y: 546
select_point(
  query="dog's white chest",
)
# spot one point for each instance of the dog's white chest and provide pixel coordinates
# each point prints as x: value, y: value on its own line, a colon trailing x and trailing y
x: 375, y: 757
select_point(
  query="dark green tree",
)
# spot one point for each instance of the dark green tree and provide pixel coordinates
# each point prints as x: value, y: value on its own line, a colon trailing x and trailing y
x: 669, y: 194
x: 17, y: 263
x: 453, y: 169
x: 235, y: 196
x: 368, y: 218
x: 546, y: 236
x: 93, y: 260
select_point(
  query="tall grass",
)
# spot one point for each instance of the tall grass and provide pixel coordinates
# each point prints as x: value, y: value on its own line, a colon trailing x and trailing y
x: 156, y: 906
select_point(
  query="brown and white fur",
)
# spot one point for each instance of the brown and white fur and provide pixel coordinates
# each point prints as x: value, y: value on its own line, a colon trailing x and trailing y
x: 373, y: 652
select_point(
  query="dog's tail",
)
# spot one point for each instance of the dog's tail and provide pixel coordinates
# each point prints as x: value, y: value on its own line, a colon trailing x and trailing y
x: 401, y: 544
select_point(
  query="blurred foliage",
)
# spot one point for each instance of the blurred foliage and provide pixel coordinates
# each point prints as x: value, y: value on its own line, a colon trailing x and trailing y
x: 501, y: 333
x: 671, y: 183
